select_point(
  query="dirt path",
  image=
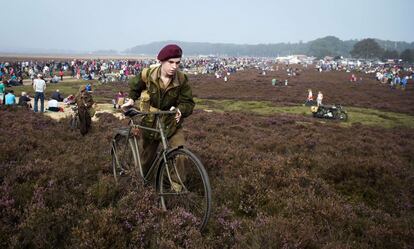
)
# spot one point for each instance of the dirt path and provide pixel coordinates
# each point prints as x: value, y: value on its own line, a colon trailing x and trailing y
x: 67, y: 111
x: 28, y: 82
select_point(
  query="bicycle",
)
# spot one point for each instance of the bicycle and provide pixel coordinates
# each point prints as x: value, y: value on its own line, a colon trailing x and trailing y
x: 74, y: 118
x: 180, y: 178
x: 79, y: 120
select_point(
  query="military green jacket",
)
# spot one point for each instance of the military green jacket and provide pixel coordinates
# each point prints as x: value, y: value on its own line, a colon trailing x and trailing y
x: 178, y: 93
x: 84, y: 99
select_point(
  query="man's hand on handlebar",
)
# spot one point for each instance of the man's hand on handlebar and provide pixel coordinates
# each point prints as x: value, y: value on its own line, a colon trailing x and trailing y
x: 177, y: 115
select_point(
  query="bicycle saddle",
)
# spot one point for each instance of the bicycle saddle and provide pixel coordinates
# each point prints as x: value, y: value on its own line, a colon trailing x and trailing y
x: 131, y: 112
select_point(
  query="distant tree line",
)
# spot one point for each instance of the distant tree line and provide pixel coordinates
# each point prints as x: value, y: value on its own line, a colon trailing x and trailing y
x: 327, y: 46
x: 370, y: 49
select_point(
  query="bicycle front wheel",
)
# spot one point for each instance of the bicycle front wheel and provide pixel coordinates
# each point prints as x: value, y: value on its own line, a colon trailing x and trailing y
x: 124, y: 159
x: 183, y: 183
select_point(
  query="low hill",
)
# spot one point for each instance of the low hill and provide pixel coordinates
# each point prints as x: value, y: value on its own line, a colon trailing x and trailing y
x: 321, y: 47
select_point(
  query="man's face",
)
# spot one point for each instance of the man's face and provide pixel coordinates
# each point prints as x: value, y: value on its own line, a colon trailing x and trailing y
x: 171, y: 66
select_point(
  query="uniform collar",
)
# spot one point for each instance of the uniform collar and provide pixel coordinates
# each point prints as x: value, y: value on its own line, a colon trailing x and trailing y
x: 156, y: 75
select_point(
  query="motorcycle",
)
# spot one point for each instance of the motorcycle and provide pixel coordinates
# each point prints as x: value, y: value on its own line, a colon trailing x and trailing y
x: 330, y: 112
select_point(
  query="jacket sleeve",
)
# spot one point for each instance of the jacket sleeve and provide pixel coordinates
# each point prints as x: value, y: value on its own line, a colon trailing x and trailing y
x: 136, y: 85
x: 89, y: 101
x: 185, y: 100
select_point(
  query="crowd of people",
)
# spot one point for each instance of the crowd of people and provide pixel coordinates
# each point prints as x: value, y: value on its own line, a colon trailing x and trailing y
x: 395, y: 74
x: 13, y: 73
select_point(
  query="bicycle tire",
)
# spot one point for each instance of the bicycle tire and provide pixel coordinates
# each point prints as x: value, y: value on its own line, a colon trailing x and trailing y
x: 195, y: 195
x: 84, y: 121
x: 74, y: 123
x: 124, y: 159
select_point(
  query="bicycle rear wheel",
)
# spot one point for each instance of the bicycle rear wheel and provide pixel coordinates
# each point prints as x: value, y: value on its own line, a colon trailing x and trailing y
x: 124, y: 159
x: 74, y: 122
x: 84, y: 121
x: 183, y: 184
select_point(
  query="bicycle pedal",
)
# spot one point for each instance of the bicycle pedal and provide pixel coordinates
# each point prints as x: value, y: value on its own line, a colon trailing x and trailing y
x: 176, y: 187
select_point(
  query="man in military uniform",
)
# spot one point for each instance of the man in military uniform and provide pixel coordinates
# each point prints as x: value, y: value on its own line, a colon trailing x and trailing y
x: 164, y: 88
x: 84, y: 101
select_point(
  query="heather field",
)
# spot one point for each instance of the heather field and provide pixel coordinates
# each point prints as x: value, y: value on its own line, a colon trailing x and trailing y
x: 280, y: 178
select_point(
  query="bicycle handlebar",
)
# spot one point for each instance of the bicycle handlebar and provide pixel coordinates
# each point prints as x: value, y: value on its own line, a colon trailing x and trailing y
x: 133, y: 112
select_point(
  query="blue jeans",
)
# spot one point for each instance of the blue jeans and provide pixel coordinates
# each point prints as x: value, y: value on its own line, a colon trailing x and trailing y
x: 41, y: 96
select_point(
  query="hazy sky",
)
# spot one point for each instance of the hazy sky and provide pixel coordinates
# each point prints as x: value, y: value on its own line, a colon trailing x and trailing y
x: 103, y: 24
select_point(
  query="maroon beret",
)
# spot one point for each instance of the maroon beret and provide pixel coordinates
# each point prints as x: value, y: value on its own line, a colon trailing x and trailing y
x: 169, y: 51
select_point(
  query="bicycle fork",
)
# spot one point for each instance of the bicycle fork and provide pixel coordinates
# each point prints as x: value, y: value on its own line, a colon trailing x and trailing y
x: 164, y: 157
x: 115, y: 154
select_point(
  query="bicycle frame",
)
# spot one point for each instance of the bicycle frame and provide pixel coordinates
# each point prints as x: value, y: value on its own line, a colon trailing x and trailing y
x: 193, y: 194
x: 161, y: 155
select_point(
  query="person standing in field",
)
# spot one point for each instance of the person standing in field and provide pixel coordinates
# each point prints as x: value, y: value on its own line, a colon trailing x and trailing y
x: 39, y: 85
x: 319, y: 98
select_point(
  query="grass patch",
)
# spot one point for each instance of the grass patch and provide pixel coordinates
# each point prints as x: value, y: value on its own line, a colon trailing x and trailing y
x: 363, y: 116
x: 65, y: 87
x: 382, y: 118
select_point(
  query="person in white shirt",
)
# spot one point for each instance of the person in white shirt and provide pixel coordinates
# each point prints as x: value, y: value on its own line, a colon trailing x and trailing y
x: 319, y: 98
x: 39, y: 85
x: 53, y: 105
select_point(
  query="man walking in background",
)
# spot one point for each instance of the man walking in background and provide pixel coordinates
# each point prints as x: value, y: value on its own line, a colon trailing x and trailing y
x: 39, y: 85
x: 2, y: 91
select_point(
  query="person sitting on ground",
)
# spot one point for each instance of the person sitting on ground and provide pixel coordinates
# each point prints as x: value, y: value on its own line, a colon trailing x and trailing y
x: 10, y: 98
x: 24, y: 100
x: 20, y: 80
x: 55, y: 79
x: 57, y: 96
x: 119, y: 100
x: 53, y: 105
x: 13, y: 81
x: 69, y: 100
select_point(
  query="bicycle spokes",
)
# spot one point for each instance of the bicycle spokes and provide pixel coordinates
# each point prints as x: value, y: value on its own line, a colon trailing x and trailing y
x: 183, y: 185
x: 124, y: 161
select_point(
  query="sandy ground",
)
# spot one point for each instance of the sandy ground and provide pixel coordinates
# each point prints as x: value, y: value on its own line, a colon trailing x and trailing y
x: 27, y: 82
x: 67, y: 111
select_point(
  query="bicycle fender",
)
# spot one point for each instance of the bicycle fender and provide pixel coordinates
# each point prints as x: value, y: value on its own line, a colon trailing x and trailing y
x: 174, y: 149
x: 123, y: 131
x: 160, y: 161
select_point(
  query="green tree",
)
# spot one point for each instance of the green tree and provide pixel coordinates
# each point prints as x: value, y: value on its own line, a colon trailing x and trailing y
x: 407, y: 55
x: 390, y: 54
x: 367, y: 49
x: 327, y: 46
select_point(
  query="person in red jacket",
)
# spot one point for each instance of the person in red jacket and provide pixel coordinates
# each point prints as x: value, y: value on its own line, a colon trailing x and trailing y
x: 61, y: 74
